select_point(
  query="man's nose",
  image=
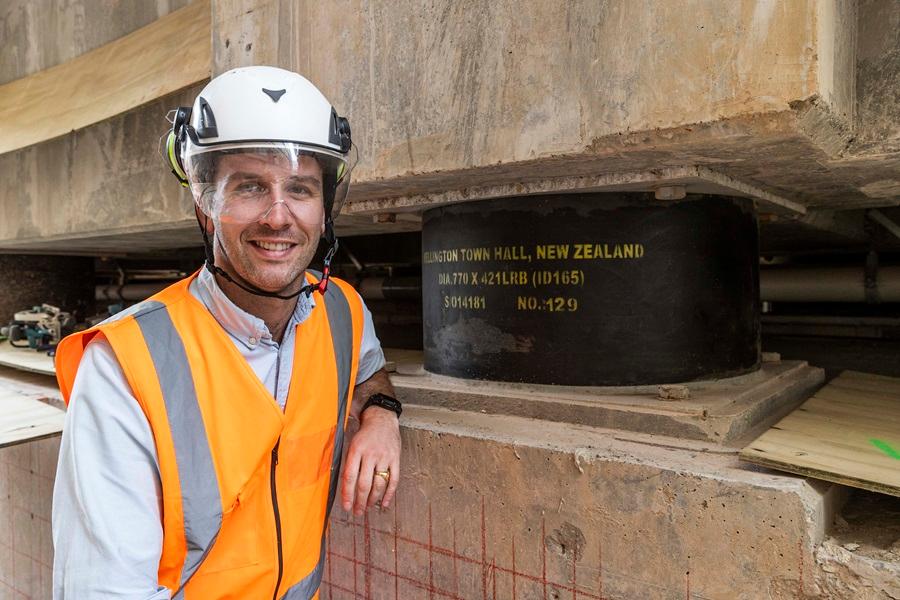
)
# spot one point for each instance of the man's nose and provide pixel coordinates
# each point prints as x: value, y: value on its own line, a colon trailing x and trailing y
x: 278, y: 215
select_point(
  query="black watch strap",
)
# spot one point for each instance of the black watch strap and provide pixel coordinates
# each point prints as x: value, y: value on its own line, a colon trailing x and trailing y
x: 384, y: 401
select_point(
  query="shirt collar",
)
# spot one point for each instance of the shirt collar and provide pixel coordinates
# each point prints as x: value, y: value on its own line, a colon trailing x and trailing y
x: 249, y: 329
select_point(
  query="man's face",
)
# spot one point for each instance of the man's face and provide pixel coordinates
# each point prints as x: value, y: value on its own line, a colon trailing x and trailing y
x: 272, y: 218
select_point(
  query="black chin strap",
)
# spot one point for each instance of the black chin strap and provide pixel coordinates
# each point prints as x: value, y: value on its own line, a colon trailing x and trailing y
x: 248, y: 287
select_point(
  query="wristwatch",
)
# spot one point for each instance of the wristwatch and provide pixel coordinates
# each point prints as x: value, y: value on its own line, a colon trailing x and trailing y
x: 384, y: 401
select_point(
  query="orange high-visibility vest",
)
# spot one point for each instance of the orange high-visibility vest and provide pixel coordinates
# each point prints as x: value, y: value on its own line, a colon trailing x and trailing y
x: 247, y: 488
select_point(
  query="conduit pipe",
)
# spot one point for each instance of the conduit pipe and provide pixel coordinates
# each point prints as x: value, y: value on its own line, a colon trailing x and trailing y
x: 370, y: 288
x: 390, y: 288
x: 130, y: 292
x: 829, y: 284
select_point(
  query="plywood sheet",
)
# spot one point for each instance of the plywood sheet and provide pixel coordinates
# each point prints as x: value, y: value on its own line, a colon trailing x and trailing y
x: 163, y: 57
x: 26, y: 359
x: 23, y: 418
x: 848, y: 432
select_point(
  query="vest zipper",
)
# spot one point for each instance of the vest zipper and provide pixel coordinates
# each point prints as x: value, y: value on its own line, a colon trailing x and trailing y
x: 277, y: 520
x: 274, y: 490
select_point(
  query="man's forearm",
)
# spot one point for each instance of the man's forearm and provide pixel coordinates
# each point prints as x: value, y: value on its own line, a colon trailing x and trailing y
x: 372, y: 467
x: 378, y: 383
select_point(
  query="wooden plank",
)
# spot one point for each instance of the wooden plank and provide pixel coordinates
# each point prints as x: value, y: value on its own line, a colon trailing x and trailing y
x: 848, y: 433
x: 163, y: 57
x: 23, y: 419
x: 26, y: 359
x: 875, y: 385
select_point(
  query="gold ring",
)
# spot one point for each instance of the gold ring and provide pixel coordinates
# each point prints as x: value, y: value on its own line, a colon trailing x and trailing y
x: 386, y: 474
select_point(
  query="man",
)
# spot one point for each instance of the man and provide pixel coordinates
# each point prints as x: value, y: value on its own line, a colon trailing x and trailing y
x: 202, y: 446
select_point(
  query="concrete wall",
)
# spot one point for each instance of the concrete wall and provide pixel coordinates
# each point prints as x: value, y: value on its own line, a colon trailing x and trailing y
x: 63, y: 281
x: 575, y: 513
x: 26, y: 493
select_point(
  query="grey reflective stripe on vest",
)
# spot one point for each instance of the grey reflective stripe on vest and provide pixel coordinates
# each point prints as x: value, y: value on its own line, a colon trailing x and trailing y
x: 340, y: 322
x: 201, y: 504
x: 307, y: 587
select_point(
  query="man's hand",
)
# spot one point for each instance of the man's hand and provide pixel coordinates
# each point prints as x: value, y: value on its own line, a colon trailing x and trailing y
x: 374, y: 448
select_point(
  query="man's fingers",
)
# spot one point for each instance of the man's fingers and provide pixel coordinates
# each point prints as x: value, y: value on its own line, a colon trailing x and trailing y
x: 392, y: 484
x: 379, y: 484
x: 351, y: 473
x: 364, y: 484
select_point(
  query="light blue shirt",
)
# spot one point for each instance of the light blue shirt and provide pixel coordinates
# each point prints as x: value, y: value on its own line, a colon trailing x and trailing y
x: 107, y: 530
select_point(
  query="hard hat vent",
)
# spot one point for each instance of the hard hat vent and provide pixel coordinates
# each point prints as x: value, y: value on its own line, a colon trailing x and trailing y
x: 207, y: 128
x: 275, y: 95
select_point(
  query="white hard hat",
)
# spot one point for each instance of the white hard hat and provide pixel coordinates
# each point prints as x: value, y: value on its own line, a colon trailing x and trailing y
x: 259, y: 109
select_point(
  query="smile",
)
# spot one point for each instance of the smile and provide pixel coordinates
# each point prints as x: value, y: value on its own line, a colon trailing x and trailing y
x: 273, y: 246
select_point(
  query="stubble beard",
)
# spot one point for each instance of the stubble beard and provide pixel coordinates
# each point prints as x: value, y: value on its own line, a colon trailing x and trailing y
x: 280, y: 277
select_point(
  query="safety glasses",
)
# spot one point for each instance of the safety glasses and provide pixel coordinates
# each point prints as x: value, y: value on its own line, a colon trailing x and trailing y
x: 242, y: 183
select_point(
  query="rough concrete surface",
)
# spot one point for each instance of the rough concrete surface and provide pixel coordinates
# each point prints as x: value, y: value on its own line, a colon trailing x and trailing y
x: 37, y: 34
x: 878, y: 75
x: 845, y: 574
x: 98, y: 180
x: 449, y: 97
x: 448, y: 86
x: 26, y: 492
x: 861, y: 557
x: 575, y: 513
x: 793, y: 98
x: 506, y: 507
x: 725, y: 411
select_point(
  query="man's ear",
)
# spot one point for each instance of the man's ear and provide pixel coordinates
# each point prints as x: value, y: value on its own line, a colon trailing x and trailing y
x: 204, y: 220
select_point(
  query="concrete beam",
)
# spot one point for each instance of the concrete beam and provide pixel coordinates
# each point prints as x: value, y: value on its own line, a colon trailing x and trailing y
x: 451, y: 103
x: 156, y: 60
x: 105, y: 178
x: 439, y: 88
x: 693, y: 179
x: 878, y: 78
x: 38, y: 34
x: 444, y: 99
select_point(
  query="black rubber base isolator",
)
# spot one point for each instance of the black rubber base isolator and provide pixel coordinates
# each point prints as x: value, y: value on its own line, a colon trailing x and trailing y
x: 592, y: 289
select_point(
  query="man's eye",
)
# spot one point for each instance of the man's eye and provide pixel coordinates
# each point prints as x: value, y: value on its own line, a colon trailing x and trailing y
x: 299, y: 190
x: 250, y: 188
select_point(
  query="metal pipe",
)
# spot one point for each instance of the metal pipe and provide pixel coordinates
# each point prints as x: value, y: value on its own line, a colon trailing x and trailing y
x: 370, y: 288
x: 390, y: 288
x: 130, y: 292
x: 827, y: 284
x: 831, y: 326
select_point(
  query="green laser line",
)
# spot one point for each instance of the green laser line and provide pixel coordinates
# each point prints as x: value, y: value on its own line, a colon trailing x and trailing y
x: 886, y: 448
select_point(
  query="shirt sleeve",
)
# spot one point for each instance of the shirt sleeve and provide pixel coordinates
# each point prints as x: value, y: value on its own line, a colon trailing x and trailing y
x: 371, y: 357
x: 107, y: 530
